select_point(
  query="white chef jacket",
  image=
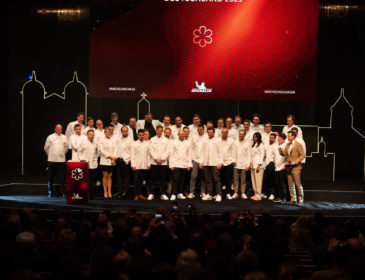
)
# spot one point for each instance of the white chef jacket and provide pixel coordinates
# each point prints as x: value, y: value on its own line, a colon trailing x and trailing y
x: 159, y: 149
x: 106, y: 148
x: 238, y: 128
x: 269, y: 153
x: 194, y: 129
x: 232, y: 133
x: 265, y: 138
x: 180, y: 154
x: 286, y: 129
x: 175, y: 130
x: 74, y: 143
x: 99, y: 133
x: 140, y: 124
x: 257, y: 155
x: 211, y: 152
x: 86, y: 129
x: 88, y: 151
x: 117, y: 129
x: 243, y: 154
x: 140, y: 158
x: 56, y: 147
x: 229, y: 151
x: 249, y: 137
x: 130, y: 132
x: 257, y: 128
x: 123, y: 149
x: 71, y: 128
x: 196, y: 146
x: 218, y: 132
x: 279, y: 160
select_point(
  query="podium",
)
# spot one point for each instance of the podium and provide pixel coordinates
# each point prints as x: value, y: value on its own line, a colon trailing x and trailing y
x: 77, y: 182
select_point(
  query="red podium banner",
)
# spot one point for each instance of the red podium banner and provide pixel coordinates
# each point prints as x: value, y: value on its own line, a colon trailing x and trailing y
x: 77, y: 182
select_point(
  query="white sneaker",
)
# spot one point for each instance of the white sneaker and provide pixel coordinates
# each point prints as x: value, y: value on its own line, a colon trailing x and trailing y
x: 191, y: 196
x: 263, y: 196
x: 234, y: 196
x: 164, y: 197
x: 207, y: 197
x: 202, y: 195
x: 243, y: 196
x: 181, y: 196
x: 218, y: 198
x: 229, y: 197
x: 223, y: 187
x: 214, y: 197
x: 173, y: 197
x: 272, y: 197
x: 150, y: 197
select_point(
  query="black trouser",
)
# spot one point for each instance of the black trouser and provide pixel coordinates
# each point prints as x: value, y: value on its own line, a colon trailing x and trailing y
x: 269, y: 179
x: 56, y: 170
x: 211, y: 175
x: 178, y: 180
x: 139, y: 176
x: 122, y: 175
x: 93, y: 173
x: 280, y: 185
x: 158, y: 173
x: 227, y: 177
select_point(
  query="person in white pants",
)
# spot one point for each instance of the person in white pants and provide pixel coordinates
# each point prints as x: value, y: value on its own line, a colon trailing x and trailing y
x: 257, y: 161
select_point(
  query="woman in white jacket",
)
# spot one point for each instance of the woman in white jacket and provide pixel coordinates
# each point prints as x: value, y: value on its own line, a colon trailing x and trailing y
x: 106, y: 147
x: 257, y: 168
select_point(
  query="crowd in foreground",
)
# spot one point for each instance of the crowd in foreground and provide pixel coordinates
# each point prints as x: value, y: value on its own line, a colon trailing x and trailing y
x: 178, y: 244
x: 170, y: 159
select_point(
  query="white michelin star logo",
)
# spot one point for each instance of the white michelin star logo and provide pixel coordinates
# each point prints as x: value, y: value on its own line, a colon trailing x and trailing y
x: 202, y: 36
x: 77, y: 174
x: 201, y: 87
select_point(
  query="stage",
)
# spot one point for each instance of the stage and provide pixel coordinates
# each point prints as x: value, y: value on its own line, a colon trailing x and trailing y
x: 339, y: 199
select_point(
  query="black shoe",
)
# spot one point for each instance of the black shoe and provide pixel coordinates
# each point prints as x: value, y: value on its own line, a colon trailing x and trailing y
x: 117, y: 194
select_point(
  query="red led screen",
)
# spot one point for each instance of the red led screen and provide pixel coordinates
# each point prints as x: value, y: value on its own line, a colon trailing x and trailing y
x: 249, y: 49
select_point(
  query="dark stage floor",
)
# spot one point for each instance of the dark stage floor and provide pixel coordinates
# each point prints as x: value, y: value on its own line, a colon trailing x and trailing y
x: 340, y: 199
